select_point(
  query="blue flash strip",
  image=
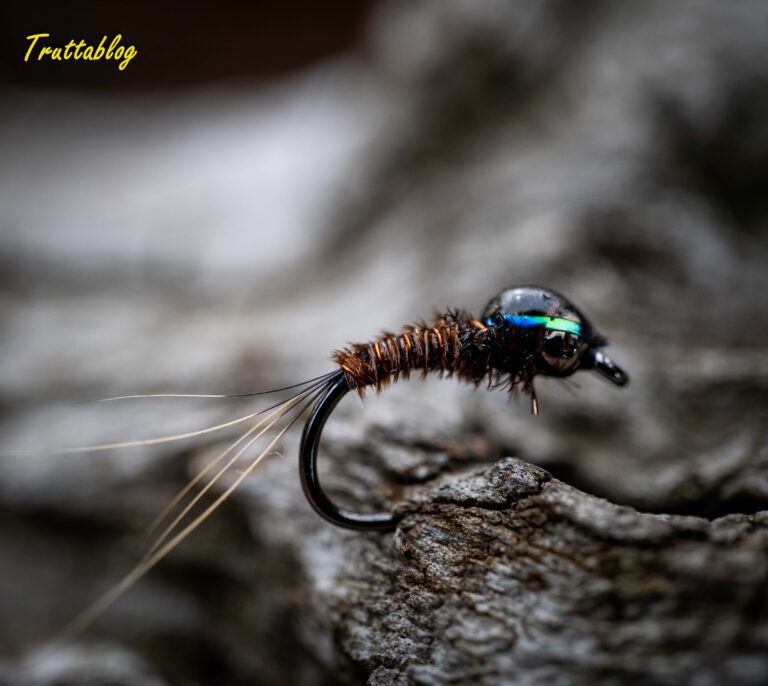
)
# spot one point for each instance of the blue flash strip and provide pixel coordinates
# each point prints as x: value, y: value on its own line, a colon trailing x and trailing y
x: 530, y: 321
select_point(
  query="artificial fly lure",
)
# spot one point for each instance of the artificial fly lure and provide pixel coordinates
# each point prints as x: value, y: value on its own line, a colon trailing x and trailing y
x: 523, y: 332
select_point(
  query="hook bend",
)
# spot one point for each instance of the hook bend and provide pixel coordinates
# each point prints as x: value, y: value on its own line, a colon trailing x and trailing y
x: 310, y: 482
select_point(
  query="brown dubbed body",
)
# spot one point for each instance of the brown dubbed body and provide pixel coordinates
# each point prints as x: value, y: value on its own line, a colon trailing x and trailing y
x: 455, y: 345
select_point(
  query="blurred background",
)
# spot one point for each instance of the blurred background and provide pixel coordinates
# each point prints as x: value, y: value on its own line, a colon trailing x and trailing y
x: 263, y: 184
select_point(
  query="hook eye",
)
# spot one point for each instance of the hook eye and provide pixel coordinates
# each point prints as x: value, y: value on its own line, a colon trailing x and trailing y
x: 605, y: 366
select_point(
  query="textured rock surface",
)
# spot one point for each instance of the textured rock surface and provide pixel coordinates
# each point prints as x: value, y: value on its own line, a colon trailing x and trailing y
x: 228, y: 240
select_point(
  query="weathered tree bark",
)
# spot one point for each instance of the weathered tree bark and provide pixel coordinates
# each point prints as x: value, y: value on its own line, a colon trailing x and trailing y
x: 506, y: 575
